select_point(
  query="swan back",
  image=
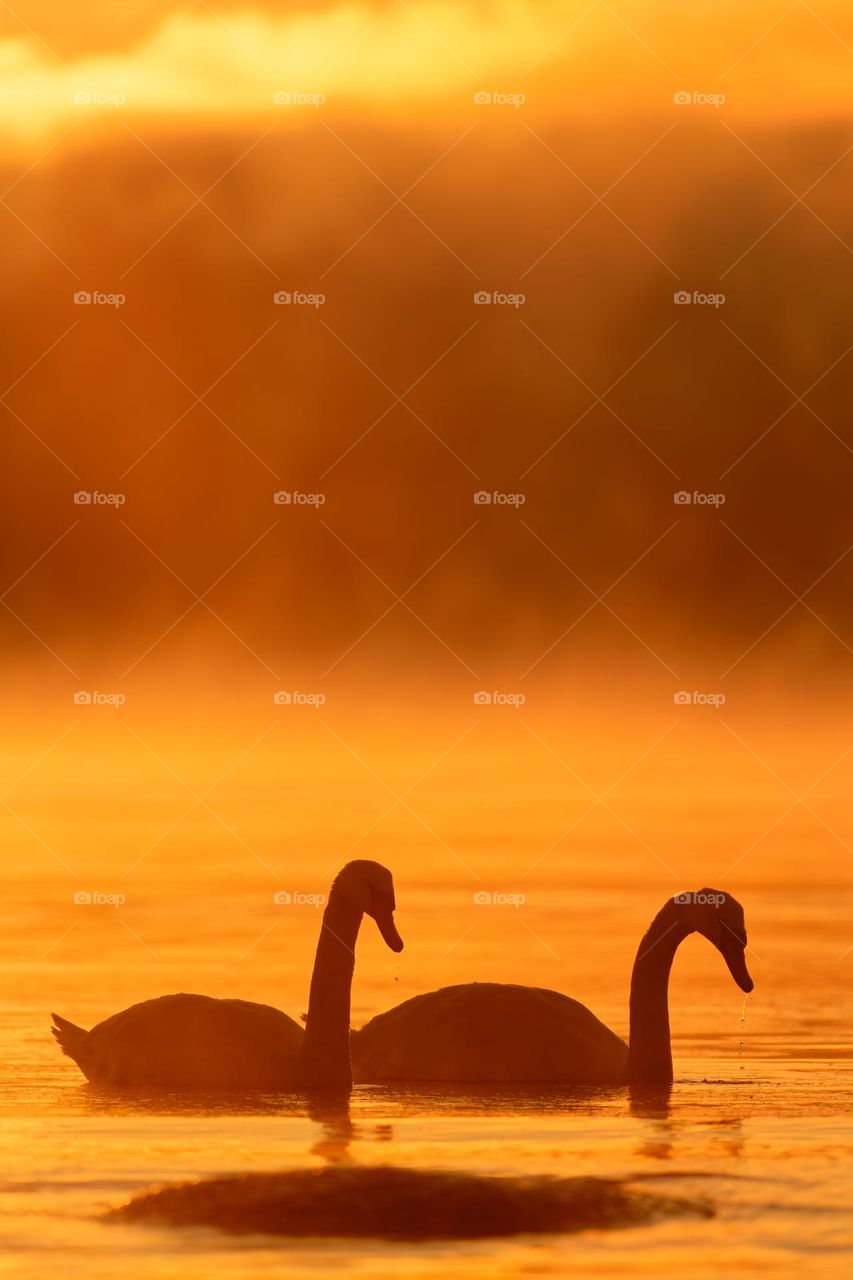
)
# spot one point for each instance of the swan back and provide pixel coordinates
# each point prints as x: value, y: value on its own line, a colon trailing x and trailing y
x: 193, y: 1041
x: 486, y: 1032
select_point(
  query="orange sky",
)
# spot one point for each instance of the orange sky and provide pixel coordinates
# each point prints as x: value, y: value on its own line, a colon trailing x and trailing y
x: 220, y: 60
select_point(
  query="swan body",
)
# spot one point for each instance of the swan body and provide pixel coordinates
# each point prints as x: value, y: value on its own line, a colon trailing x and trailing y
x: 487, y: 1032
x: 187, y: 1041
x: 198, y: 1042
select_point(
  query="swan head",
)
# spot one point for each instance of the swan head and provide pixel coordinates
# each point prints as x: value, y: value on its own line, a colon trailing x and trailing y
x: 370, y: 887
x: 719, y: 918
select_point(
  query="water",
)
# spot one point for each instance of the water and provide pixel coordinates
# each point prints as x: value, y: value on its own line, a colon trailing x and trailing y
x: 758, y: 1122
x: 768, y: 1151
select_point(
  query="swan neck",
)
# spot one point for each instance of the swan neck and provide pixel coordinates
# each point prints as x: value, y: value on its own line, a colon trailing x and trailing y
x: 649, y: 1050
x: 326, y: 1047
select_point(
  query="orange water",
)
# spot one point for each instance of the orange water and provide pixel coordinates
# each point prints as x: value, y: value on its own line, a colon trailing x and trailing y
x: 758, y: 1122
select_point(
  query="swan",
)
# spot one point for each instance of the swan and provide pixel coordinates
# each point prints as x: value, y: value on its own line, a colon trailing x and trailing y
x: 489, y: 1032
x: 197, y: 1042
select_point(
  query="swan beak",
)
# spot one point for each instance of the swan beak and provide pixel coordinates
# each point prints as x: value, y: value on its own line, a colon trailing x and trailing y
x: 382, y: 910
x: 388, y: 929
x: 733, y: 952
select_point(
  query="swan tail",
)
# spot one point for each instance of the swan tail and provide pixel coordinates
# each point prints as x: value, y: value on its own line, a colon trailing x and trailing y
x: 68, y: 1036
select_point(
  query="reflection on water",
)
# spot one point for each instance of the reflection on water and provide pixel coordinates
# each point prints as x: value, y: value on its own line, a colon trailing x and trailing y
x: 757, y: 1120
x: 764, y: 1150
x: 338, y: 1130
x: 396, y: 1203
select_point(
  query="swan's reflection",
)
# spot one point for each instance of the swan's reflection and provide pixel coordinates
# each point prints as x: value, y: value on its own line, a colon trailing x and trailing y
x: 329, y: 1110
x: 368, y: 1114
x: 653, y: 1104
x: 378, y: 1103
x: 98, y: 1100
x: 666, y: 1124
x: 332, y: 1113
x: 650, y: 1102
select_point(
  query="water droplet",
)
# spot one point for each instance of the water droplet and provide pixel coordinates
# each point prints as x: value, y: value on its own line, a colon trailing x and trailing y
x: 740, y: 1047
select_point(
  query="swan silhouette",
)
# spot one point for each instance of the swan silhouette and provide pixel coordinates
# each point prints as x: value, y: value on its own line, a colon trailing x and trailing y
x: 197, y: 1042
x: 490, y: 1032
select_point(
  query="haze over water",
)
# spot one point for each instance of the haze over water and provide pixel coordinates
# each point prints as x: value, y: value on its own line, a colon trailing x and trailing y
x: 541, y: 601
